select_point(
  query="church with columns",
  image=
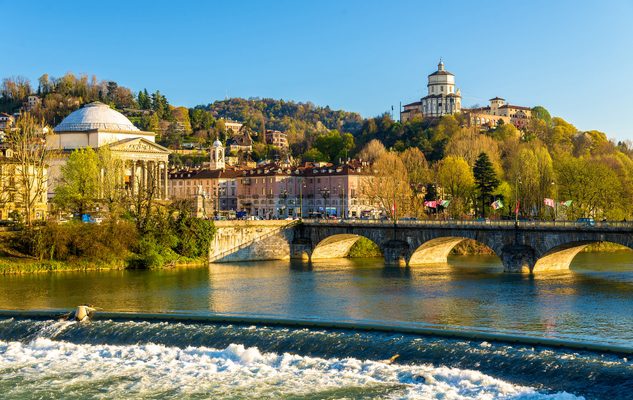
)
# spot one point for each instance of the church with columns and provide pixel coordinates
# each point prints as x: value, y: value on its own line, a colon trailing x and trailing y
x: 442, y: 97
x: 144, y: 164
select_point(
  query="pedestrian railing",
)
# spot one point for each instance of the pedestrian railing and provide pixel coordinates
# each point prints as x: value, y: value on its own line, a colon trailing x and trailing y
x: 617, y: 225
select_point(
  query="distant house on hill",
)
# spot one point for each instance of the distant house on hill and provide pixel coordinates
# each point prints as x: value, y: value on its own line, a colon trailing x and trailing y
x: 277, y: 139
x: 242, y: 141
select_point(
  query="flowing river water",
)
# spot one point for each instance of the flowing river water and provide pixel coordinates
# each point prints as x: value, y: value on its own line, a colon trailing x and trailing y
x: 137, y: 357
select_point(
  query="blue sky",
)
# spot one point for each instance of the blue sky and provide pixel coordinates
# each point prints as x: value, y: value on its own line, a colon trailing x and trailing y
x: 573, y: 57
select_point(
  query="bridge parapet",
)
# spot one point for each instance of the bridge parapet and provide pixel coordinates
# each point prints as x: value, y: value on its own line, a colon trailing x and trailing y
x: 611, y: 226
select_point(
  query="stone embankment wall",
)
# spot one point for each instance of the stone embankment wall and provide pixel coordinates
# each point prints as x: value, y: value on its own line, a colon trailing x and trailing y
x: 251, y: 241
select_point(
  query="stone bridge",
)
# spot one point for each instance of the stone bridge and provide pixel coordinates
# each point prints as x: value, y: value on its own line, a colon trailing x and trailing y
x: 522, y: 247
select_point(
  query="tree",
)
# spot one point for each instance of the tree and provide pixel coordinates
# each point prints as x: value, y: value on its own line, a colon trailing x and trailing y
x: 372, y: 151
x: 334, y: 145
x: 181, y: 114
x: 541, y: 113
x: 389, y: 186
x: 531, y: 171
x: 418, y: 174
x: 28, y: 142
x: 143, y: 100
x: 594, y: 188
x: 455, y: 176
x: 78, y: 189
x: 485, y: 180
x: 111, y: 189
x: 469, y: 144
x: 505, y: 131
x: 314, y: 155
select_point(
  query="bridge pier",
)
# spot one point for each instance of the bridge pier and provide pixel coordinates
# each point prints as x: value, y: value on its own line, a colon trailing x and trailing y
x: 301, y: 249
x: 518, y: 258
x: 396, y: 253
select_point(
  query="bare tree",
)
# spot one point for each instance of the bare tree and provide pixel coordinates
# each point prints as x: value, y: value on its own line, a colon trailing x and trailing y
x: 388, y: 186
x: 28, y: 143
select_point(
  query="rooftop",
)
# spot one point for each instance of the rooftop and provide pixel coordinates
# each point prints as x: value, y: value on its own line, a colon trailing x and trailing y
x: 93, y: 116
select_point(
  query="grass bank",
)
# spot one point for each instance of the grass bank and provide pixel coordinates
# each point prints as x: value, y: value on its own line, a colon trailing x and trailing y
x: 16, y: 265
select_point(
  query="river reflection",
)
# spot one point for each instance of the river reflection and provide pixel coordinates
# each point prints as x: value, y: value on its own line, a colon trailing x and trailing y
x: 591, y: 302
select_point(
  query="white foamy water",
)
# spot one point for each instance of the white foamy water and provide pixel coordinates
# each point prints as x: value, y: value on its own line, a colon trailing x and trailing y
x: 45, y: 368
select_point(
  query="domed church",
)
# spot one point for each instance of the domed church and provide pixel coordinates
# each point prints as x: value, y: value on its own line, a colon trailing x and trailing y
x: 145, y: 163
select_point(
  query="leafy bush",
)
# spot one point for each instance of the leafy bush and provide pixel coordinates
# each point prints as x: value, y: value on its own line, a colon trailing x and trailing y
x: 364, y: 248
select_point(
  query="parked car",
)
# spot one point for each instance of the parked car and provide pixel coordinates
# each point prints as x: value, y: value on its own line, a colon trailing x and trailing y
x: 586, y: 221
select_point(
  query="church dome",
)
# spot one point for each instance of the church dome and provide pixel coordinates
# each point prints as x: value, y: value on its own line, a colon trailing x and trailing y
x: 96, y: 115
x: 217, y: 143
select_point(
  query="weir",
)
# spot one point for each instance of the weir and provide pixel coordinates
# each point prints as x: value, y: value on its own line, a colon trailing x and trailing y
x: 523, y: 247
x: 324, y: 324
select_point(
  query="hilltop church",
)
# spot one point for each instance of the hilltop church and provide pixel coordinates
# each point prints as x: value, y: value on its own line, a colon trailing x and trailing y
x: 443, y: 98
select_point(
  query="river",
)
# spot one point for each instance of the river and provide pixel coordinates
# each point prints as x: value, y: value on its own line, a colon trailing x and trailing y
x: 138, y: 358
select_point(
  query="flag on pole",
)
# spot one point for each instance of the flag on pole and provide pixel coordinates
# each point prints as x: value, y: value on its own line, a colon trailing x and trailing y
x: 430, y: 204
x: 445, y: 203
x: 516, y: 209
x: 549, y: 202
x: 566, y: 203
x: 497, y: 205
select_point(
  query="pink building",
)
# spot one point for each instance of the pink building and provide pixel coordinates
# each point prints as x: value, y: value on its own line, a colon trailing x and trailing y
x: 310, y: 190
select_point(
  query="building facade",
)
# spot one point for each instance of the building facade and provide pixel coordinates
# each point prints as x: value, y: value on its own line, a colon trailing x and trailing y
x: 6, y: 121
x: 498, y: 110
x: 311, y: 190
x: 217, y: 189
x: 145, y: 164
x: 232, y: 127
x: 442, y: 98
x: 12, y: 184
x: 277, y: 139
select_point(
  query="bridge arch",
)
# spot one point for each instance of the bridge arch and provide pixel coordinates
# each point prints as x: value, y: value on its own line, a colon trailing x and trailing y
x: 560, y: 257
x: 436, y: 249
x: 334, y: 246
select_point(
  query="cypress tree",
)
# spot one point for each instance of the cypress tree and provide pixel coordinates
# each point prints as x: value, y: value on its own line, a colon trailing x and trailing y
x: 485, y: 180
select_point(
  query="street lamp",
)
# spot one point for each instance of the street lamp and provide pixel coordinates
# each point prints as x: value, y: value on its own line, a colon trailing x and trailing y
x: 516, y: 200
x: 221, y: 191
x: 284, y: 195
x: 555, y: 203
x: 325, y: 192
x: 341, y: 195
x: 301, y: 186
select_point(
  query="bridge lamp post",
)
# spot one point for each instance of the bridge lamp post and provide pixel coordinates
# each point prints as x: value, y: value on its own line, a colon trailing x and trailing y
x: 284, y: 195
x: 325, y: 192
x: 555, y: 203
x: 301, y: 186
x: 221, y: 192
x: 517, y: 201
x: 341, y: 195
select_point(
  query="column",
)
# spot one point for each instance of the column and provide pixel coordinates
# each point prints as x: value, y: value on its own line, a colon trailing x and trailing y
x: 156, y: 181
x: 144, y: 175
x: 166, y: 171
x: 133, y: 177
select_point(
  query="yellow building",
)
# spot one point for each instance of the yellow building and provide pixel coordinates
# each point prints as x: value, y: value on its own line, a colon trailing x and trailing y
x: 498, y: 109
x: 12, y: 196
